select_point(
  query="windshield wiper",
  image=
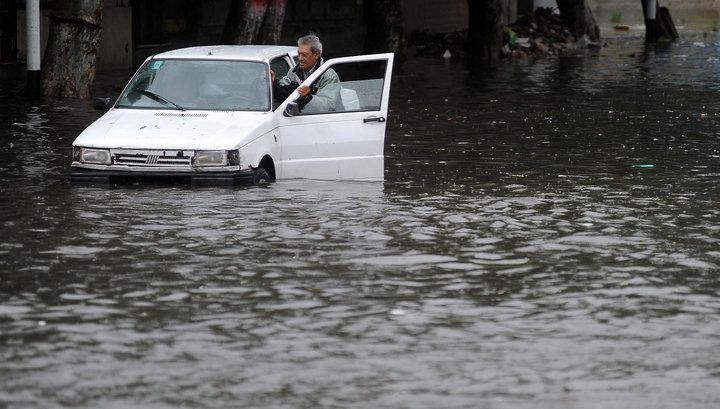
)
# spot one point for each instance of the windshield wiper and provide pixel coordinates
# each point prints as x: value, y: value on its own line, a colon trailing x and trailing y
x: 159, y: 98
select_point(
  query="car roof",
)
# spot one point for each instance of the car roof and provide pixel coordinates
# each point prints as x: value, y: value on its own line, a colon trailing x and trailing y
x: 230, y: 52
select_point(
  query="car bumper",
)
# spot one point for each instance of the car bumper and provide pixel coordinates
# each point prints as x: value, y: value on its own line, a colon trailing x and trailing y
x: 111, y: 176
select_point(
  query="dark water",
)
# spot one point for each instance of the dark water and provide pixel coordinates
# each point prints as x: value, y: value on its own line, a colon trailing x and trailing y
x: 515, y: 256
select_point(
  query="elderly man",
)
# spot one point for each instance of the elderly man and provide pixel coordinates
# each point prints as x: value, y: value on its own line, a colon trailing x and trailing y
x: 324, y: 96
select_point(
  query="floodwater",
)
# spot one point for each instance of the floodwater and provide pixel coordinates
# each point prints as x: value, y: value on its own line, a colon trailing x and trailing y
x: 546, y: 237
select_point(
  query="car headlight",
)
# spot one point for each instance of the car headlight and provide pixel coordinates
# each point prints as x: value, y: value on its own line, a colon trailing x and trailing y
x: 216, y: 158
x: 94, y: 156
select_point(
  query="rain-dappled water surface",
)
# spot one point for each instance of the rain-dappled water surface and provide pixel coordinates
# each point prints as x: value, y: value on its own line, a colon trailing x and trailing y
x: 546, y: 237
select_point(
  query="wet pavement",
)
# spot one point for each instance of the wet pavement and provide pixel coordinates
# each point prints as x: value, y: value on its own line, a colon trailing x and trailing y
x: 546, y: 237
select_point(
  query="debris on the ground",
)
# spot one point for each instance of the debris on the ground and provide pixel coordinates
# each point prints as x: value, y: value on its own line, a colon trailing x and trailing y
x: 540, y: 33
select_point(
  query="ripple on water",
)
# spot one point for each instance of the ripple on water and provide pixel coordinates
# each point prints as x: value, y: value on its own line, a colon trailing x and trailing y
x: 403, y: 260
x: 513, y: 256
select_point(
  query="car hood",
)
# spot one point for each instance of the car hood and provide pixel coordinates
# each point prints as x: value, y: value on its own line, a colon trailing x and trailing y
x: 165, y: 129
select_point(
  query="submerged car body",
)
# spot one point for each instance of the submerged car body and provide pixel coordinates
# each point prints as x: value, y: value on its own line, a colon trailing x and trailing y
x: 208, y: 114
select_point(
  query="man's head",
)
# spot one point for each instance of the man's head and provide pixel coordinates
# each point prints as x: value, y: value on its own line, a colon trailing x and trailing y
x: 309, y: 51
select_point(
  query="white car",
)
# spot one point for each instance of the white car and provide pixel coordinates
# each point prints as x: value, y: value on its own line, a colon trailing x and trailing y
x: 207, y: 114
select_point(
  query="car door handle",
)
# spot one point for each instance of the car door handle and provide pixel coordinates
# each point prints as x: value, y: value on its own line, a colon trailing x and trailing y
x: 374, y: 119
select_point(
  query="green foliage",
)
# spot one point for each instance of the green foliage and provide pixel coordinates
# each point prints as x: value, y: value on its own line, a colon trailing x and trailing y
x: 616, y: 17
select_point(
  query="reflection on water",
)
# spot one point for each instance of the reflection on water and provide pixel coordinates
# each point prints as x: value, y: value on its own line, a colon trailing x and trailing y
x: 545, y: 238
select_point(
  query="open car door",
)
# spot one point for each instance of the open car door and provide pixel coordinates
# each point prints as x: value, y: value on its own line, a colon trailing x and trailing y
x: 340, y: 133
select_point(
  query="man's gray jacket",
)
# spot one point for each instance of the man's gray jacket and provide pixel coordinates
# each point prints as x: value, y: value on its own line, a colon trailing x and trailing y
x: 325, y: 91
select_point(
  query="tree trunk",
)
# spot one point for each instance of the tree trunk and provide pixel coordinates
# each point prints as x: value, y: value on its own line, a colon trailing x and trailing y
x: 272, y: 26
x: 576, y: 14
x: 484, y: 33
x: 383, y: 20
x: 68, y: 68
x: 253, y: 13
x: 254, y: 22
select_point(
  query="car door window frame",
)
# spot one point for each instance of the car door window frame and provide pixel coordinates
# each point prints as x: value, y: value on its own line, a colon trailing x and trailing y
x: 383, y: 100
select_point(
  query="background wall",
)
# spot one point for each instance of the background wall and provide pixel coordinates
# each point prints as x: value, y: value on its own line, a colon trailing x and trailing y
x: 451, y: 15
x: 115, y: 49
x: 692, y: 14
x: 163, y: 24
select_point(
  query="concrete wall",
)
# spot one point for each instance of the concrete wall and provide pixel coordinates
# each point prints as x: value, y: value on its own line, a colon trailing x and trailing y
x: 116, y: 48
x: 691, y: 14
x: 338, y: 23
x: 446, y: 16
x: 435, y: 16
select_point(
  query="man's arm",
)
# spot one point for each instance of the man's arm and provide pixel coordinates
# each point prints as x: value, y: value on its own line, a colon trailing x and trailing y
x: 326, y: 97
x: 283, y: 88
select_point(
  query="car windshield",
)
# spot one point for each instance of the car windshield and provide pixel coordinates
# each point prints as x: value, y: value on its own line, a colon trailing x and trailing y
x: 199, y: 85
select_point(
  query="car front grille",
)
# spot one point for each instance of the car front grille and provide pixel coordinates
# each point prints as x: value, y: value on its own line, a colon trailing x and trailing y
x: 152, y: 158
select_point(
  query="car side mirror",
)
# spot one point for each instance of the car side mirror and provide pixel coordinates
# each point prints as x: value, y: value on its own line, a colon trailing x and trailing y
x: 102, y: 104
x: 292, y: 109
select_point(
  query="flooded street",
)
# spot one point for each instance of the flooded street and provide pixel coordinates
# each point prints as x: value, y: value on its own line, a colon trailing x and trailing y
x: 546, y: 237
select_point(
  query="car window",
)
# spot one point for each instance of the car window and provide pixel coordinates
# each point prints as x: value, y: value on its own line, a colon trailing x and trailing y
x: 347, y: 87
x: 280, y: 66
x: 199, y: 85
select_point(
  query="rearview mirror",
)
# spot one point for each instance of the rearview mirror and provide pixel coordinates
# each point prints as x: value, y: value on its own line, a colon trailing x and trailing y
x: 292, y: 109
x: 102, y: 104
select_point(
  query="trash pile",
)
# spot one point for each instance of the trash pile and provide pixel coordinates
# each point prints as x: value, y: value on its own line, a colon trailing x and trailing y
x: 542, y: 32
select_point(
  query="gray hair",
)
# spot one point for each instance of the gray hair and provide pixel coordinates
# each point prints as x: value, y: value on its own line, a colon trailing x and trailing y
x: 313, y: 41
